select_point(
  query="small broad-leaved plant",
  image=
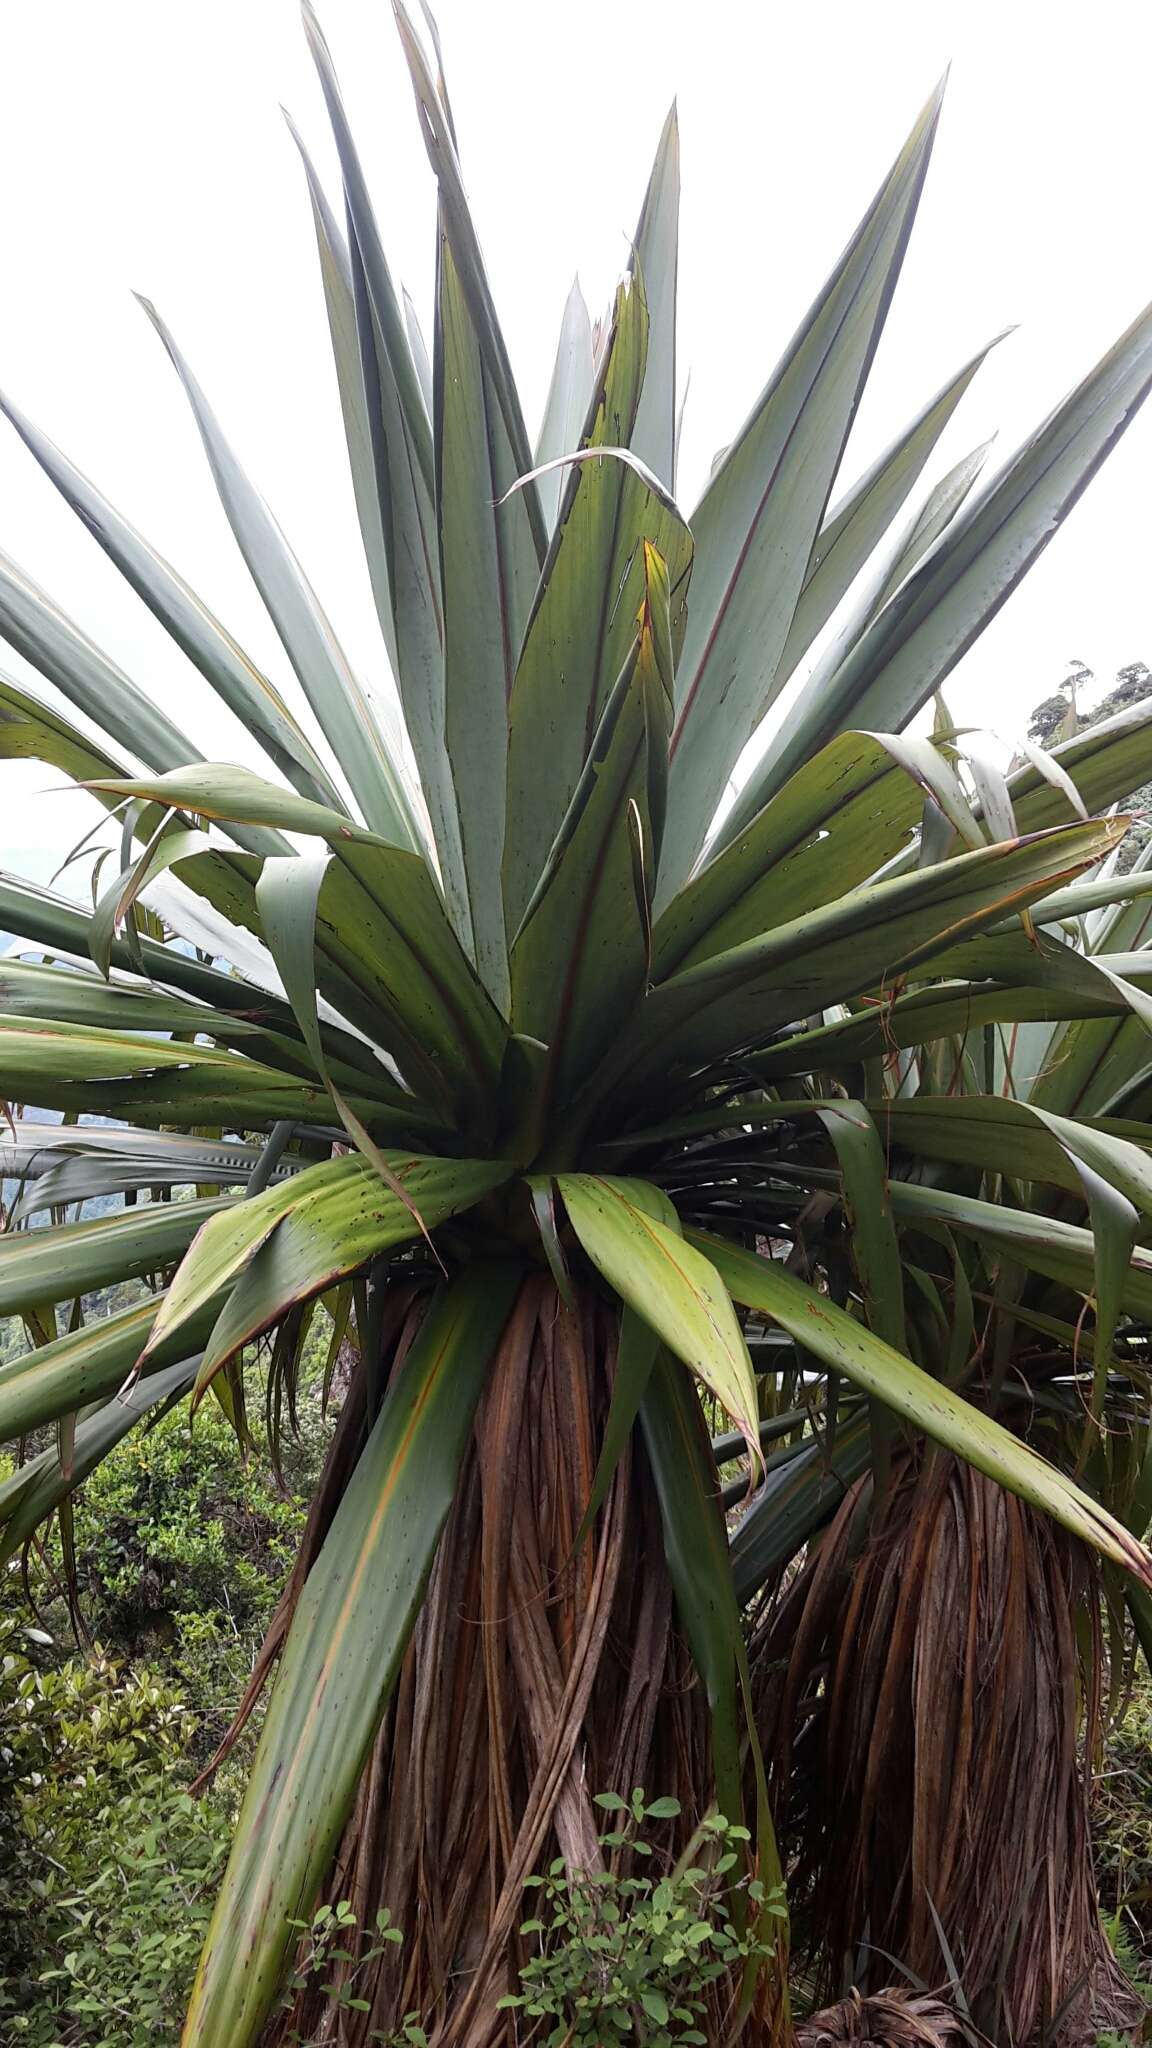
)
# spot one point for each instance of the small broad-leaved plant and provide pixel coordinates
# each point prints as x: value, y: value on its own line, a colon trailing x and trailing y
x: 324, y: 1949
x: 621, y: 1958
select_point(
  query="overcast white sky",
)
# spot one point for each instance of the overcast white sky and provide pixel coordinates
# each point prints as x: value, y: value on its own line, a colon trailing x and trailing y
x: 142, y: 146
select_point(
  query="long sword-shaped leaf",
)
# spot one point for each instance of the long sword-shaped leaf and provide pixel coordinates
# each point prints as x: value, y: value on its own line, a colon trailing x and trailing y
x: 1019, y: 1139
x: 736, y: 999
x: 489, y: 569
x: 87, y: 1365
x: 569, y: 396
x: 457, y: 223
x: 663, y: 1280
x: 341, y: 707
x: 840, y: 818
x: 71, y: 1259
x: 32, y: 623
x: 202, y: 638
x: 953, y: 1010
x: 325, y: 1223
x: 855, y: 526
x: 581, y: 957
x: 920, y: 635
x: 61, y: 1164
x: 875, y: 1246
x: 583, y: 622
x: 342, y: 1655
x: 796, y: 1499
x: 926, y: 1403
x: 656, y: 257
x: 340, y: 302
x: 385, y: 304
x: 385, y: 406
x: 61, y: 1066
x: 698, y: 1563
x: 32, y: 730
x: 36, y: 1489
x: 385, y: 929
x: 759, y: 517
x: 895, y: 563
x: 1106, y: 763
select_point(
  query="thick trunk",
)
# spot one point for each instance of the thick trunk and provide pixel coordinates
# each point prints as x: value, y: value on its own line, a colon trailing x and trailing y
x: 929, y: 1712
x: 541, y: 1672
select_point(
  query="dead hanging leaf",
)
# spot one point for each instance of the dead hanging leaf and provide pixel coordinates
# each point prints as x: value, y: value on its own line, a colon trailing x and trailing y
x: 890, y: 2019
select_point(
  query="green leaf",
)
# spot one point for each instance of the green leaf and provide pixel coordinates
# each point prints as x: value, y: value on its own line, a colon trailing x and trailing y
x: 760, y: 515
x: 856, y: 525
x: 913, y: 644
x: 568, y: 400
x: 894, y: 564
x: 696, y: 1548
x: 881, y: 1372
x: 676, y: 1291
x: 830, y: 829
x: 390, y: 452
x: 580, y: 960
x: 1106, y: 763
x: 60, y: 926
x: 489, y: 569
x: 383, y: 928
x: 738, y: 998
x: 342, y: 709
x: 636, y: 1348
x: 223, y: 664
x: 339, y: 1665
x: 583, y: 621
x: 700, y: 1568
x: 868, y: 1210
x: 797, y: 1498
x: 86, y: 1366
x: 58, y: 1164
x: 71, y: 1259
x: 1017, y: 1138
x: 35, y: 1490
x: 655, y: 255
x: 71, y: 1066
x: 324, y: 1223
x: 39, y: 630
x: 457, y: 224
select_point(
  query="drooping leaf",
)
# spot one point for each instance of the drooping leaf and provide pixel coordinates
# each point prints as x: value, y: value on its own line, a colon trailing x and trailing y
x: 658, y: 1275
x: 324, y: 1223
x: 348, y: 1634
x: 914, y: 1395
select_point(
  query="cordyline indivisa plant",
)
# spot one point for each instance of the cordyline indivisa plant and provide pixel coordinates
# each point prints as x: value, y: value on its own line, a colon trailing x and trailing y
x: 597, y: 1127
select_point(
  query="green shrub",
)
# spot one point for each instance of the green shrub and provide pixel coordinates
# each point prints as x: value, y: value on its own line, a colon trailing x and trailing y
x: 1122, y: 1831
x: 107, y: 1866
x: 616, y: 1952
